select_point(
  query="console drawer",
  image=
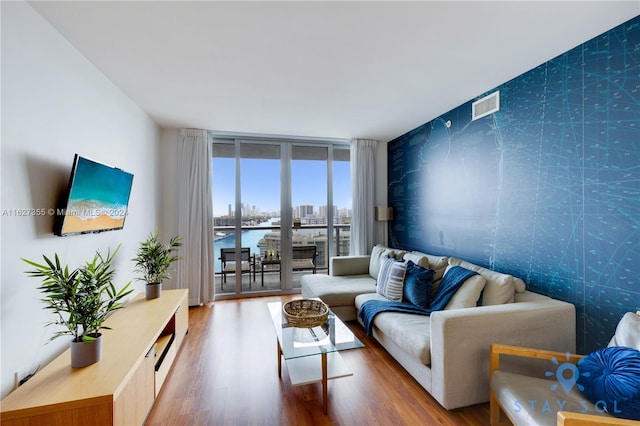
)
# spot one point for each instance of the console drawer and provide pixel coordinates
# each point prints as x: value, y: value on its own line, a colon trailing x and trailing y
x: 165, y: 355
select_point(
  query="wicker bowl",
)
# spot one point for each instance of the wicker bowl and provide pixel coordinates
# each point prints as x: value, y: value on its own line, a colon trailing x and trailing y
x: 305, y: 313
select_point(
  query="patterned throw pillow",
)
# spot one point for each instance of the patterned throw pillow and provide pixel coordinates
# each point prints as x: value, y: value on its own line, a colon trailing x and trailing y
x: 391, y: 279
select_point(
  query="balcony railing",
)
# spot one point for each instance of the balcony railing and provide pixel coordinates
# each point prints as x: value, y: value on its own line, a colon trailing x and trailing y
x: 265, y: 240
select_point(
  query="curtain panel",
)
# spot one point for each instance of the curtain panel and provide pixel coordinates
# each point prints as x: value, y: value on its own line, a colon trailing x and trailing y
x: 195, y: 216
x: 363, y: 231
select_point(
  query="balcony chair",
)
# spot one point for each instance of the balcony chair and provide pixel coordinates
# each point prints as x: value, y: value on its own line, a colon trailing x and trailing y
x: 610, y: 377
x: 304, y: 258
x: 229, y: 263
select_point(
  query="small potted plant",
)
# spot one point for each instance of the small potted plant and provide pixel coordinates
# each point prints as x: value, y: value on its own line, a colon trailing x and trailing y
x: 153, y: 260
x: 82, y: 299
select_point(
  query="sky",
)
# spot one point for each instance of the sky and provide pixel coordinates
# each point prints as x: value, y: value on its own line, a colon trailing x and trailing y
x: 260, y: 183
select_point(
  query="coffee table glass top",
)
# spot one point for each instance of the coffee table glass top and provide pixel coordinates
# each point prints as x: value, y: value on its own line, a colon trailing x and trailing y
x: 297, y: 342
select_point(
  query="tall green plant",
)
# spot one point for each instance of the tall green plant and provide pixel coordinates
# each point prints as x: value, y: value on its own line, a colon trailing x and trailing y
x: 153, y: 258
x: 81, y: 298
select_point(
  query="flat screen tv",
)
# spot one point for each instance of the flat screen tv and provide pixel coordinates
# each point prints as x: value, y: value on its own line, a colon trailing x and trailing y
x: 96, y: 201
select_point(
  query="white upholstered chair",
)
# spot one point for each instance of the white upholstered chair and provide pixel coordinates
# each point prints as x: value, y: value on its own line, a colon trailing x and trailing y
x: 521, y: 399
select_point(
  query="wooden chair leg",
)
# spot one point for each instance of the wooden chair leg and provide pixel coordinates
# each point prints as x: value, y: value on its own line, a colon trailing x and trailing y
x: 494, y: 411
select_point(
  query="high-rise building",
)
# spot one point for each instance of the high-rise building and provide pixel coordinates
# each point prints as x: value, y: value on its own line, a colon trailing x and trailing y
x: 305, y: 210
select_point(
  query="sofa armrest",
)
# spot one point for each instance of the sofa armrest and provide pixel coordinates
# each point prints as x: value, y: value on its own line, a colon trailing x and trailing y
x: 461, y: 339
x: 566, y: 418
x: 349, y: 265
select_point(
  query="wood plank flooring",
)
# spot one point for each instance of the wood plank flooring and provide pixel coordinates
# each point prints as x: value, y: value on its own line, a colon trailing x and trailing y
x: 226, y: 374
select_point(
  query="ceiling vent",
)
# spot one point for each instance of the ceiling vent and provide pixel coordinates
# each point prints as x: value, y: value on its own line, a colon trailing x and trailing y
x: 485, y: 106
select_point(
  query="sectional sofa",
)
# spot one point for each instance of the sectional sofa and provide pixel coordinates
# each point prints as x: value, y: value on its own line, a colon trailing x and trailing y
x: 447, y: 352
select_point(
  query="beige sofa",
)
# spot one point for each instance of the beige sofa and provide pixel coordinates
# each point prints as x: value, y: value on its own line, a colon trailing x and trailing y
x: 448, y: 351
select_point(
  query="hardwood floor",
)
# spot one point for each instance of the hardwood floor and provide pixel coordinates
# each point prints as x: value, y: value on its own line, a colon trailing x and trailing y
x: 226, y: 374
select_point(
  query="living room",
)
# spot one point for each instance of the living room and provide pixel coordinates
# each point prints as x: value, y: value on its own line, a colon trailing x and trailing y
x: 56, y: 101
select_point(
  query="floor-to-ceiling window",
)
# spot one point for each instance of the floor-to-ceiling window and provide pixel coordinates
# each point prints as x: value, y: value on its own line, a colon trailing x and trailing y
x: 273, y: 200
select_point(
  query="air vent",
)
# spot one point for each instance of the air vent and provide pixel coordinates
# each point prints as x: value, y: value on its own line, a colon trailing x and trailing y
x: 485, y: 106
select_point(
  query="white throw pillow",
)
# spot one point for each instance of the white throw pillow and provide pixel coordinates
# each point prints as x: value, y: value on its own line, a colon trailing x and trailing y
x: 390, y: 283
x: 437, y: 264
x: 418, y: 258
x: 499, y: 289
x: 468, y: 294
x: 378, y: 253
x: 399, y: 254
x: 627, y: 331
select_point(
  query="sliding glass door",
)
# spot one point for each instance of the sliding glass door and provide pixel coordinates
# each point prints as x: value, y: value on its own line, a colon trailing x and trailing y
x: 309, y: 201
x: 274, y: 215
x: 340, y: 231
x: 260, y: 205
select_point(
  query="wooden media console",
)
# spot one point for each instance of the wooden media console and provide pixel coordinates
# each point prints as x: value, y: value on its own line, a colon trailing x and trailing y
x: 137, y: 355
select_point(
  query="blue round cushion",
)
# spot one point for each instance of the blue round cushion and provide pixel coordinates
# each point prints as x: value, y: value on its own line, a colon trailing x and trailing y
x: 612, y: 376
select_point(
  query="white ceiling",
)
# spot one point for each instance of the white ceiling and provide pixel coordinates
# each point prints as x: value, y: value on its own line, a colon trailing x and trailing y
x: 320, y: 69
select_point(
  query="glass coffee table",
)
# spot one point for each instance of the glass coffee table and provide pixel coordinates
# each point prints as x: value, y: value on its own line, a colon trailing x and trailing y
x: 311, y: 354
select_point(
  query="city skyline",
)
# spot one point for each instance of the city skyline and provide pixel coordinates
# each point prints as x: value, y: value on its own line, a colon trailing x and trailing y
x: 302, y: 211
x: 308, y: 182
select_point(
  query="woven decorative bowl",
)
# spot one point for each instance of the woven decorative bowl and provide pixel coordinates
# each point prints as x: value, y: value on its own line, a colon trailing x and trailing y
x: 305, y: 313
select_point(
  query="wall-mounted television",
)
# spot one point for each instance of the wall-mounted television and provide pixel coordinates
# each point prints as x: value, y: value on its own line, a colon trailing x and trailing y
x: 96, y: 201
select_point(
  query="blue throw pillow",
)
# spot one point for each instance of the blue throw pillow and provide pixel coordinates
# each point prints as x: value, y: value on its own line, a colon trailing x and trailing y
x: 417, y: 285
x: 610, y: 378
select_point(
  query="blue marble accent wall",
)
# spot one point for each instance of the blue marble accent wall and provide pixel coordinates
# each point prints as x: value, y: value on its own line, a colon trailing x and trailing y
x: 547, y: 189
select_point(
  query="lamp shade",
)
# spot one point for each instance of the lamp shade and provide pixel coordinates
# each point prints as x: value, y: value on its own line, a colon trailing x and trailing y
x: 383, y: 213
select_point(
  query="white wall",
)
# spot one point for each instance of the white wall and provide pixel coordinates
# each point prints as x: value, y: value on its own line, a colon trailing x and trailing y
x: 56, y: 103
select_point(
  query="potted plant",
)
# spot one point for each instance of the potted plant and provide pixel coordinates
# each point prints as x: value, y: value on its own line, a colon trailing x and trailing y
x: 153, y: 260
x: 82, y: 299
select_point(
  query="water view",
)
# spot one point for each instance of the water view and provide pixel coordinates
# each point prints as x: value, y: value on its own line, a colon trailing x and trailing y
x: 250, y: 238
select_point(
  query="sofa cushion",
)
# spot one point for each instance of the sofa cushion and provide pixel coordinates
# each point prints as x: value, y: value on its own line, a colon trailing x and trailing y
x: 519, y: 285
x: 378, y: 253
x: 419, y: 259
x: 449, y: 286
x: 411, y: 332
x: 468, y: 294
x: 349, y: 265
x: 436, y: 263
x: 390, y: 280
x: 336, y: 291
x: 417, y: 285
x: 499, y: 289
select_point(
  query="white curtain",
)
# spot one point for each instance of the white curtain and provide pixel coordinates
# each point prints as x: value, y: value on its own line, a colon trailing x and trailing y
x: 195, y: 216
x: 363, y: 231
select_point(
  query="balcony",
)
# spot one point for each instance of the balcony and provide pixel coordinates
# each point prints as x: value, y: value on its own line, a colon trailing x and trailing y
x: 264, y: 240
